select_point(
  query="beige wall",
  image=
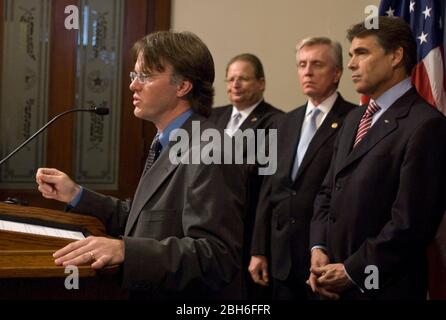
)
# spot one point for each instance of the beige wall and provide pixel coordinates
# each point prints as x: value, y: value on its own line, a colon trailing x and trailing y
x: 269, y: 29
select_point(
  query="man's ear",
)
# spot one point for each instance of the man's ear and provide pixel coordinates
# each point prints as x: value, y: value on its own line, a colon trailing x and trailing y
x: 397, y: 56
x: 184, y: 87
x: 262, y: 84
x: 338, y: 75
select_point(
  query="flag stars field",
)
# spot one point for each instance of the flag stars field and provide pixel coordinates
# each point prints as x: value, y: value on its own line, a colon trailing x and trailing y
x: 423, y: 37
x: 427, y: 12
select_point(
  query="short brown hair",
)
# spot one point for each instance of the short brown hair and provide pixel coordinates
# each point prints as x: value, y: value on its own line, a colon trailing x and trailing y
x: 190, y: 59
x: 253, y: 60
x: 392, y: 33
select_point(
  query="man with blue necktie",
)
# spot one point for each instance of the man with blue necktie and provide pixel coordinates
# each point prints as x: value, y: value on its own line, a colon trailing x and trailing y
x: 305, y: 143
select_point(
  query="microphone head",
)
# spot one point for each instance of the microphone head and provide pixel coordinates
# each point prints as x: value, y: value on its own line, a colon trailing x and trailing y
x: 102, y: 111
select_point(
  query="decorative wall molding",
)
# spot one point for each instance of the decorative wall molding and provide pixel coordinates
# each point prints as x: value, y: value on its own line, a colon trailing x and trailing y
x: 24, y: 89
x: 99, y: 83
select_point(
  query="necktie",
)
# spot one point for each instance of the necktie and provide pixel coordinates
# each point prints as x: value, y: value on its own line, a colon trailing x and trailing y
x: 233, y: 125
x: 366, y: 121
x: 154, y: 152
x: 308, y: 130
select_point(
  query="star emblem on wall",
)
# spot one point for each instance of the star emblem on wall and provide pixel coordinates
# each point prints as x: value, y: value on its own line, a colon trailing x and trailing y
x: 97, y: 82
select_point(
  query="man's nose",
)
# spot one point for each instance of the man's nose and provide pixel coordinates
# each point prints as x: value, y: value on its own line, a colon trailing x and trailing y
x: 134, y: 84
x: 351, y: 64
x: 236, y: 83
x: 308, y: 70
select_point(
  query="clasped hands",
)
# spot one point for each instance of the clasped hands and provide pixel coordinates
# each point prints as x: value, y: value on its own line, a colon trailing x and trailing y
x: 327, y: 280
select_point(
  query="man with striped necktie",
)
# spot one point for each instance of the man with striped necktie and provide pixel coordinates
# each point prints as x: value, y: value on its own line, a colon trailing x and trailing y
x: 385, y: 193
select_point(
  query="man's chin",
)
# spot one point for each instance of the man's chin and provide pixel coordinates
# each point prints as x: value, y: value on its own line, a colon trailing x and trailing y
x: 236, y: 99
x: 309, y: 92
x: 361, y: 90
x: 138, y: 113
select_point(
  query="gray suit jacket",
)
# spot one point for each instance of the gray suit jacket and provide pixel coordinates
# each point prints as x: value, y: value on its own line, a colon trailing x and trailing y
x: 182, y: 237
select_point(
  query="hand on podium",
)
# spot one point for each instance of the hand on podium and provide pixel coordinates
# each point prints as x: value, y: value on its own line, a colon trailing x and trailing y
x: 97, y: 251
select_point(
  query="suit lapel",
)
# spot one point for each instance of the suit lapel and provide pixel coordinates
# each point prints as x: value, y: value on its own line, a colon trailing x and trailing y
x: 148, y: 185
x: 349, y: 133
x: 386, y: 124
x: 329, y: 127
x: 290, y: 130
x: 222, y: 120
x: 151, y: 181
x: 254, y: 118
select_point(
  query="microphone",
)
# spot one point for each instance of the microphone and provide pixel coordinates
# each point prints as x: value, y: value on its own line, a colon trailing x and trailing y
x: 102, y: 111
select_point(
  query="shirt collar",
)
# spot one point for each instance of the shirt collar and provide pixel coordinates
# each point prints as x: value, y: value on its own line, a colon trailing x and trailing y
x: 245, y: 112
x: 325, y: 106
x: 173, y: 125
x: 390, y: 96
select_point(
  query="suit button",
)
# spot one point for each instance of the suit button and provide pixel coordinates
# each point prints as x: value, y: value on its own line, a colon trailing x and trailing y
x: 338, y: 186
x: 293, y: 221
x: 293, y: 193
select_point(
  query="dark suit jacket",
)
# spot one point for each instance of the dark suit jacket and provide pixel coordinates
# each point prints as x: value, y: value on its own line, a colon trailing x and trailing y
x: 182, y: 239
x: 382, y: 202
x: 260, y: 118
x: 285, y: 209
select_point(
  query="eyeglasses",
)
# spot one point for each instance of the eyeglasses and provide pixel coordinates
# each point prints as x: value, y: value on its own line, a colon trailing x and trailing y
x: 239, y: 79
x: 144, y: 77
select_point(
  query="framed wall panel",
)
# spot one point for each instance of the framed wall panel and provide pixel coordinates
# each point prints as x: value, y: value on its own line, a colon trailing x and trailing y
x: 98, y: 84
x: 24, y: 88
x: 84, y: 67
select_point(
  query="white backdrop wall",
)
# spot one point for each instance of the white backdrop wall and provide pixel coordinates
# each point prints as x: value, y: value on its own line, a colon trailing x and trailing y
x: 270, y: 29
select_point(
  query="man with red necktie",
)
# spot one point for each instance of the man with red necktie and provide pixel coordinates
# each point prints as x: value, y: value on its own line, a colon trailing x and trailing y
x: 385, y: 193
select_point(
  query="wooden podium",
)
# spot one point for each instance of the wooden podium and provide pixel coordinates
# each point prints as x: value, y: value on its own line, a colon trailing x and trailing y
x: 27, y: 268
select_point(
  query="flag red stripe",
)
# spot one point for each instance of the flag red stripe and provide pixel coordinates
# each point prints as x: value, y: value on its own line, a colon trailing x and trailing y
x: 420, y: 79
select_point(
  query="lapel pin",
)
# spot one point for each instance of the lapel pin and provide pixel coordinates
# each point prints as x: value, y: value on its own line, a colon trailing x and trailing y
x: 386, y: 121
x: 254, y: 119
x: 334, y: 125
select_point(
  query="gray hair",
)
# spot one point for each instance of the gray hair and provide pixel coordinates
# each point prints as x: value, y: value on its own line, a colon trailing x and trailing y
x: 336, y: 48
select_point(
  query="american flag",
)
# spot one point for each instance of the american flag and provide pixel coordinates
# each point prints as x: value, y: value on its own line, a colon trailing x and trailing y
x: 426, y: 19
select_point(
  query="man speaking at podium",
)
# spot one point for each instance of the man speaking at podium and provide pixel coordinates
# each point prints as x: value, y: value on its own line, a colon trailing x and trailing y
x: 178, y: 237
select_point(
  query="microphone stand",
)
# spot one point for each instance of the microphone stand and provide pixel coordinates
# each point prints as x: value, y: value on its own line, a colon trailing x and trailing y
x: 100, y: 111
